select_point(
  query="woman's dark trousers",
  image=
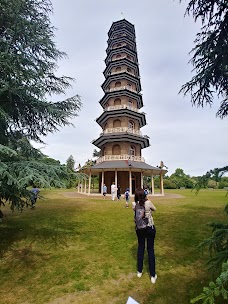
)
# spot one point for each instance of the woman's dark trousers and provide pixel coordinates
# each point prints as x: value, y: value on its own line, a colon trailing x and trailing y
x: 146, y: 235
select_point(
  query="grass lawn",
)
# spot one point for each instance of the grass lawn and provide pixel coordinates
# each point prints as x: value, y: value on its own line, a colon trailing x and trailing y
x: 83, y: 250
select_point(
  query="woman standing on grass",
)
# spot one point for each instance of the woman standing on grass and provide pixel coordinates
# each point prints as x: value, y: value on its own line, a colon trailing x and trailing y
x: 147, y: 234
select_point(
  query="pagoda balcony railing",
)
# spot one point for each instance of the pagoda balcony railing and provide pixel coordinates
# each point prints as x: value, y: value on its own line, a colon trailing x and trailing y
x: 120, y: 157
x: 123, y: 71
x: 120, y: 89
x: 120, y: 46
x: 122, y: 130
x: 119, y: 107
x: 121, y: 35
x: 119, y: 58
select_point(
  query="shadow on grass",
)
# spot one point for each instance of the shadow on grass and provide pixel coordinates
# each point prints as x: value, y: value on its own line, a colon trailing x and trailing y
x: 51, y: 233
x: 25, y: 257
x: 28, y: 248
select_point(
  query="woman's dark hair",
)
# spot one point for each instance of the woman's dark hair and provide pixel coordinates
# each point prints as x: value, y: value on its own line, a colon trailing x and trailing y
x: 140, y: 196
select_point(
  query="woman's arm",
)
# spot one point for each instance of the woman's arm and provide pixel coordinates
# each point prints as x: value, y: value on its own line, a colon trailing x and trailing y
x: 152, y: 207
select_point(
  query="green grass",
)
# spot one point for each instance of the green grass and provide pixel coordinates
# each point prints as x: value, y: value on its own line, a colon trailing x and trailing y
x: 83, y: 250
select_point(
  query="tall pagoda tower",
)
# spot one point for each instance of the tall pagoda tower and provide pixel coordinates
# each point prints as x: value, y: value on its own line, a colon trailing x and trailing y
x: 121, y: 140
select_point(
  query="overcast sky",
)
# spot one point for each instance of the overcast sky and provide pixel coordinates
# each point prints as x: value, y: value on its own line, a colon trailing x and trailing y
x: 182, y: 136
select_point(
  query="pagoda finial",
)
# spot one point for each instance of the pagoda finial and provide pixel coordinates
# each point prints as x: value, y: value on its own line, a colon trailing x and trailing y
x: 122, y: 15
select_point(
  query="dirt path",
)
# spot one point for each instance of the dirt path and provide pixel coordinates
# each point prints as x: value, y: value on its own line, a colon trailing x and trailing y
x: 76, y: 194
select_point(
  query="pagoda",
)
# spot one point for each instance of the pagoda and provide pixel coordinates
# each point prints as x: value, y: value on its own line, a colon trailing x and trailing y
x: 121, y: 140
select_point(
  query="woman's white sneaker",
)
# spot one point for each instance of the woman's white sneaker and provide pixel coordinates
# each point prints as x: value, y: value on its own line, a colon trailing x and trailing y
x: 153, y: 279
x: 139, y: 274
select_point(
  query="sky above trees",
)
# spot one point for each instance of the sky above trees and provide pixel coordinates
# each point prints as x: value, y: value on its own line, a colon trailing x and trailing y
x: 180, y: 135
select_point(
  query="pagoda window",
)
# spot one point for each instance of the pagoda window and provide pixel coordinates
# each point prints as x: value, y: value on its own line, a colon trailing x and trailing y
x: 129, y: 85
x: 118, y: 45
x: 132, y: 151
x: 116, y: 150
x: 129, y: 70
x: 117, y: 102
x: 129, y: 57
x: 116, y: 123
x: 118, y: 55
x: 117, y: 84
x: 118, y: 69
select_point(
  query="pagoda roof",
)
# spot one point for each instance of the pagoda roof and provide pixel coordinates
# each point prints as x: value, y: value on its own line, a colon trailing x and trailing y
x: 121, y: 22
x: 121, y: 61
x: 122, y: 49
x: 122, y: 76
x: 121, y: 33
x: 122, y: 112
x: 105, y: 138
x: 121, y: 40
x: 136, y: 96
x: 126, y: 165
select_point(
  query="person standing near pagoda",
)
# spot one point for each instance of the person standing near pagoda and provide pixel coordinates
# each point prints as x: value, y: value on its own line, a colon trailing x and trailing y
x: 146, y: 235
x: 104, y: 190
x: 118, y: 192
x: 113, y: 191
x: 34, y: 195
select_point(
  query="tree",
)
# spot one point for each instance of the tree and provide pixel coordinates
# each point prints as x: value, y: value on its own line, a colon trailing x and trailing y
x: 50, y: 161
x: 18, y: 172
x: 179, y: 173
x: 210, y: 55
x: 88, y: 163
x: 215, y: 174
x: 218, y: 247
x: 97, y: 153
x: 168, y: 184
x: 212, y: 184
x: 28, y: 61
x: 70, y: 163
x: 180, y: 179
x: 216, y: 290
x: 223, y: 183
